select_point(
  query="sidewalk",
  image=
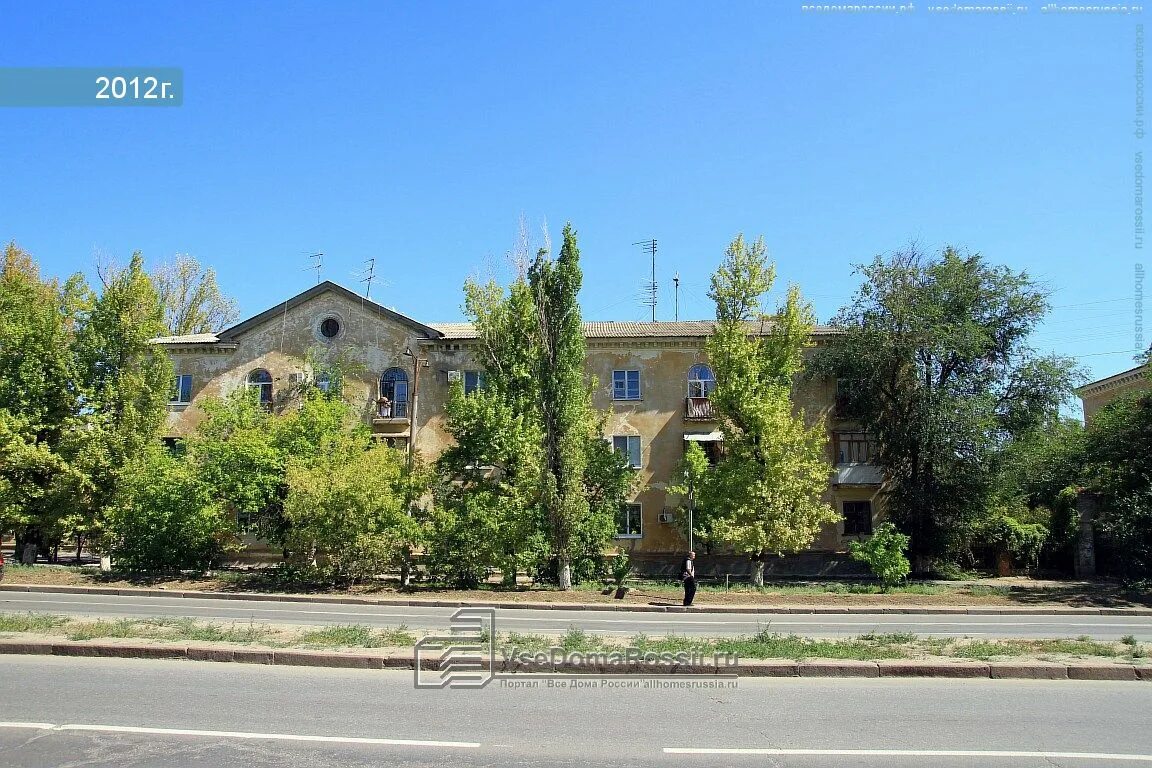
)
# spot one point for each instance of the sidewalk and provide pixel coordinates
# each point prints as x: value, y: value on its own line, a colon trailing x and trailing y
x: 654, y: 607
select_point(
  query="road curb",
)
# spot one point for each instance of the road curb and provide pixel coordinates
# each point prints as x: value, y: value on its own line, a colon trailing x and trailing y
x: 762, y: 610
x: 837, y: 668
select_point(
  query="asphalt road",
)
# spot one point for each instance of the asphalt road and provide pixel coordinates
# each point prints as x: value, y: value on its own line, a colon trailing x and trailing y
x: 57, y: 712
x: 607, y: 622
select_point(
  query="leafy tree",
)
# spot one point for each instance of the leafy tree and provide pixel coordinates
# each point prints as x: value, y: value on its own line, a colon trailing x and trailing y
x: 348, y: 509
x: 165, y: 517
x: 692, y: 483
x: 236, y: 453
x: 933, y: 362
x: 1118, y: 471
x: 126, y: 381
x: 191, y: 297
x: 765, y: 491
x: 38, y: 399
x: 564, y: 403
x: 491, y: 499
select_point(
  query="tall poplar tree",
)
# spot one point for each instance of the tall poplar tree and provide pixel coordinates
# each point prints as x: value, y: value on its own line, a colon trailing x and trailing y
x: 764, y: 494
x: 564, y: 396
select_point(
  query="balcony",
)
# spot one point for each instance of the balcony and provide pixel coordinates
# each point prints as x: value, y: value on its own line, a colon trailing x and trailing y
x: 390, y: 417
x: 698, y: 409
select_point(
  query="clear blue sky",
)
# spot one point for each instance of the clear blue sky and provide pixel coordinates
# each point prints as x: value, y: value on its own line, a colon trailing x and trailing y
x: 419, y: 134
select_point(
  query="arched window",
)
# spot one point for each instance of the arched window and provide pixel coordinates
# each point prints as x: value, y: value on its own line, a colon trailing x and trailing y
x: 701, y: 381
x: 394, y: 394
x: 261, y: 381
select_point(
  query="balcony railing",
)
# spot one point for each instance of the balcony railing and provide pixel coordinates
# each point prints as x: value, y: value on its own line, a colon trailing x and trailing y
x: 698, y: 409
x: 392, y: 410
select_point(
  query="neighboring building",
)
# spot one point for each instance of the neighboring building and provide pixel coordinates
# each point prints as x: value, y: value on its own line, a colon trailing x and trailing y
x: 654, y: 381
x: 1098, y: 394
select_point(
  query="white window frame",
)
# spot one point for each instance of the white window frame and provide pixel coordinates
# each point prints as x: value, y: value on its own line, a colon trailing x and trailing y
x: 180, y: 378
x: 621, y: 386
x: 628, y: 508
x: 704, y: 386
x: 635, y: 455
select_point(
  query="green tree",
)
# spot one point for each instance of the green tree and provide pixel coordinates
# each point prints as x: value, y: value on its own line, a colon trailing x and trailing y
x: 564, y: 401
x: 765, y: 491
x: 165, y: 517
x: 491, y: 510
x: 1118, y: 471
x: 39, y: 400
x: 191, y: 298
x: 126, y: 381
x: 933, y: 362
x: 348, y: 509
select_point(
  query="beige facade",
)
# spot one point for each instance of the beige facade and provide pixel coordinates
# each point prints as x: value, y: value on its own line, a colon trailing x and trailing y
x: 1098, y: 394
x: 642, y: 370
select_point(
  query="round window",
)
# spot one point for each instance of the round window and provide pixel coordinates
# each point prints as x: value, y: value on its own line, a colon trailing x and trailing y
x: 330, y: 328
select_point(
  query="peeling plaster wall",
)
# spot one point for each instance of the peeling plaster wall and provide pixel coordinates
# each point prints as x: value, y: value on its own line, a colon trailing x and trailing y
x: 376, y: 343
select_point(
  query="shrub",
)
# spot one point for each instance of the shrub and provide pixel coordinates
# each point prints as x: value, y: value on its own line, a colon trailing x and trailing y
x: 347, y: 513
x: 165, y: 518
x: 884, y: 554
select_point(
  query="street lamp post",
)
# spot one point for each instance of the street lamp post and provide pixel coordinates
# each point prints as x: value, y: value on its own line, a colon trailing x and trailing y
x: 417, y: 364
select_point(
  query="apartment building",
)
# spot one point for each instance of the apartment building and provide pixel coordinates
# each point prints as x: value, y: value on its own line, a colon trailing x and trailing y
x: 653, y: 381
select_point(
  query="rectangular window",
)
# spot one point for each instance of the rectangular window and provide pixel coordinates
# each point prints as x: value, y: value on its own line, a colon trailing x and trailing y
x: 182, y: 388
x: 629, y: 446
x: 857, y: 518
x: 625, y: 385
x: 473, y: 380
x: 853, y: 448
x: 628, y: 522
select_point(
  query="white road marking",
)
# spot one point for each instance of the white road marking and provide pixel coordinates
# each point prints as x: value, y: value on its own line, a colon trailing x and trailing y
x: 242, y: 735
x: 912, y: 753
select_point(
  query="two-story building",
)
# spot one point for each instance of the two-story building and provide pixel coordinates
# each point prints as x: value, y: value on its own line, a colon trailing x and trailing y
x: 654, y: 382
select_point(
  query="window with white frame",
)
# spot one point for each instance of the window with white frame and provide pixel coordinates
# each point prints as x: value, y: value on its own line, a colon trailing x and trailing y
x: 626, y: 385
x: 629, y: 447
x: 260, y: 382
x: 181, y: 388
x: 473, y: 380
x: 701, y: 381
x: 629, y: 524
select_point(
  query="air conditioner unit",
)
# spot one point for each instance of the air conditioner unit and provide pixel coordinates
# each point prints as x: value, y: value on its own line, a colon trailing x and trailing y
x: 667, y: 516
x: 453, y: 376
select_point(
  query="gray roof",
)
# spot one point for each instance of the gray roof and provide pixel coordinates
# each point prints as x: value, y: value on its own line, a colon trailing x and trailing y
x: 626, y: 329
x: 192, y: 338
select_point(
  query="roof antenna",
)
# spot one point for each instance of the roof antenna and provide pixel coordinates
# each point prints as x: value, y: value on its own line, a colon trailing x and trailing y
x: 649, y: 288
x: 676, y: 292
x: 368, y: 275
x: 317, y: 263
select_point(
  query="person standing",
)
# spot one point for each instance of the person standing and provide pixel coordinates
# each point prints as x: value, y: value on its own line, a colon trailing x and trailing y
x: 689, y: 577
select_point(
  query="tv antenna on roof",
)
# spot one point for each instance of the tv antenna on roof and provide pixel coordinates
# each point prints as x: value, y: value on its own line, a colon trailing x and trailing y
x: 367, y: 276
x: 649, y: 289
x: 317, y: 263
